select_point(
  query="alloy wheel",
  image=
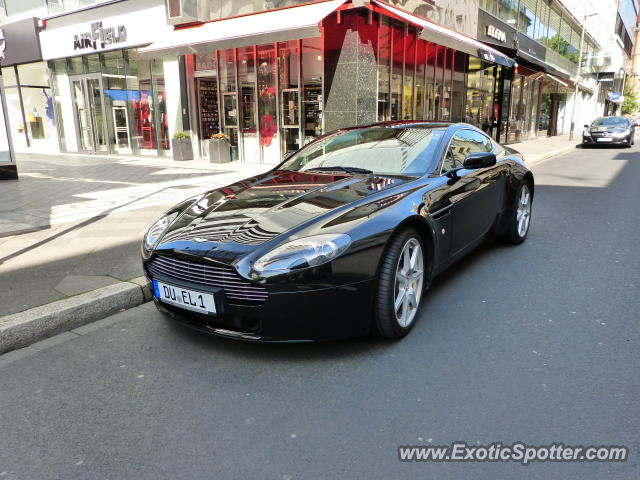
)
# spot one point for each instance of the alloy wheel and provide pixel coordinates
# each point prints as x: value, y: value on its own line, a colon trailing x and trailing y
x: 523, y: 213
x: 409, y: 282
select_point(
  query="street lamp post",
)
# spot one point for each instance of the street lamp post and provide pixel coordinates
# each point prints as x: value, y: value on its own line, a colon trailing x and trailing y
x: 575, y: 95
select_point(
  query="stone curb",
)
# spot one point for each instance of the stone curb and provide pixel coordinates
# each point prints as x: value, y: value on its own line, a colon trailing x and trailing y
x: 24, y: 328
x: 536, y: 159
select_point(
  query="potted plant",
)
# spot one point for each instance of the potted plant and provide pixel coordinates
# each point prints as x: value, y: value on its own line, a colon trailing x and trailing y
x: 181, y: 145
x: 219, y: 151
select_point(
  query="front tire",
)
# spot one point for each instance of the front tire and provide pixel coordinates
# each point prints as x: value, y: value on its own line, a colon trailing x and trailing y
x: 400, y: 285
x: 520, y: 215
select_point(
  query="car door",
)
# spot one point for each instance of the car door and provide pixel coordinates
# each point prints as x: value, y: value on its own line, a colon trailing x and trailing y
x: 475, y: 195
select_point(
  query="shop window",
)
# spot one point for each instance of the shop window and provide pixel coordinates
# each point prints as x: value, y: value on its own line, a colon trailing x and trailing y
x: 397, y: 60
x: 61, y: 101
x: 409, y: 70
x: 30, y: 106
x: 248, y: 112
x: 289, y: 83
x: 141, y: 104
x: 430, y: 82
x: 229, y: 97
x: 458, y: 86
x: 515, y: 115
x: 505, y: 81
x: 418, y: 95
x: 438, y: 86
x: 480, y: 94
x: 9, y: 76
x: 208, y: 112
x: 447, y: 81
x: 205, y: 62
x: 117, y: 119
x: 267, y: 104
x: 384, y: 69
x: 160, y: 107
x: 313, y: 104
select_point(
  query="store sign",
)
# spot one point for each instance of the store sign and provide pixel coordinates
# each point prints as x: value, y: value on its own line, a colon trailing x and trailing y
x: 531, y: 47
x: 112, y: 26
x: 99, y: 37
x: 19, y: 43
x: 496, y: 33
x: 493, y: 31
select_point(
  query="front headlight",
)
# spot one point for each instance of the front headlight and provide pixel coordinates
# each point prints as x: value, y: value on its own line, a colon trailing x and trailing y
x: 301, y: 253
x: 155, y: 232
x: 586, y: 132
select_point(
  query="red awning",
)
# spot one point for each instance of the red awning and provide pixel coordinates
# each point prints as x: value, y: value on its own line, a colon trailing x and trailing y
x: 433, y: 32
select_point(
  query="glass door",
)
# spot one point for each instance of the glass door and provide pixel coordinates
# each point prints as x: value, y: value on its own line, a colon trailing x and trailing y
x: 83, y: 116
x: 94, y: 92
x: 89, y: 112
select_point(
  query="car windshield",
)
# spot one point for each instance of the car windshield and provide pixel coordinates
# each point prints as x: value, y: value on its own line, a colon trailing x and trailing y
x: 383, y: 150
x: 610, y: 122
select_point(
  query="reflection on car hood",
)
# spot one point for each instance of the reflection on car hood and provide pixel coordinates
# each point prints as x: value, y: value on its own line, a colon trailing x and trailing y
x: 238, y: 218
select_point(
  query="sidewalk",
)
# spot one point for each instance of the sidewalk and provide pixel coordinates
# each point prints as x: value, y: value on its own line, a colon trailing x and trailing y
x: 73, y: 224
x: 535, y: 151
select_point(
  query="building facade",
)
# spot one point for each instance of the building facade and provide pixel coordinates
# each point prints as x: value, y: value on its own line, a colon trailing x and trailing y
x: 121, y: 77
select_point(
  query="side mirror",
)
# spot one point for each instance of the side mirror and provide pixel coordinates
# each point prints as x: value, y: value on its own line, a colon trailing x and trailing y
x: 586, y: 126
x: 479, y: 160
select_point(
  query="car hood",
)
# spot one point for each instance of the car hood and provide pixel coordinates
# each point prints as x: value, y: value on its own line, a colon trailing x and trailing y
x: 235, y: 220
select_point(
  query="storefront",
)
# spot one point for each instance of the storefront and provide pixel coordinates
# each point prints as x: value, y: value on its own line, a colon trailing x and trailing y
x: 106, y: 99
x: 27, y: 90
x: 273, y: 81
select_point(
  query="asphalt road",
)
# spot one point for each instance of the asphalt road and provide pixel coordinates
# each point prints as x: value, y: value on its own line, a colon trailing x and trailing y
x: 536, y: 343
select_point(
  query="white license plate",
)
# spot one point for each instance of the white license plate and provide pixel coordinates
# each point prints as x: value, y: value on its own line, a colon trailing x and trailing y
x: 194, y: 300
x: 605, y: 139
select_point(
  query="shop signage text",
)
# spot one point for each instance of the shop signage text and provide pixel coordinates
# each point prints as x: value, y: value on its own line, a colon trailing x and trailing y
x: 100, y: 37
x: 496, y: 33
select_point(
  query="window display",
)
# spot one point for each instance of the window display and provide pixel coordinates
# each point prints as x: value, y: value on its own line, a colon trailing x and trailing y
x: 208, y: 104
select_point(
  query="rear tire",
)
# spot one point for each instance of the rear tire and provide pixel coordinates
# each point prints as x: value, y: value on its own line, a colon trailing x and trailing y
x: 401, y: 283
x: 520, y: 215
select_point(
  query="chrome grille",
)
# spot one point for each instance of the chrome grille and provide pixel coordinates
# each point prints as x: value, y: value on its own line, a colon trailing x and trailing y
x: 235, y: 287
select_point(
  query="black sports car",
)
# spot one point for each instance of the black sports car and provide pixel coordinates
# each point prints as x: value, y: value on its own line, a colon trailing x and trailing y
x: 342, y: 238
x: 609, y: 131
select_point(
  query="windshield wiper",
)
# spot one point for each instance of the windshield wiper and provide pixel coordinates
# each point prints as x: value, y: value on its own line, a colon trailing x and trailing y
x: 351, y: 170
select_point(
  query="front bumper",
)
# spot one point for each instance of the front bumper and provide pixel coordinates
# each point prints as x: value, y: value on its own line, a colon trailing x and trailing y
x: 333, y: 313
x: 593, y: 140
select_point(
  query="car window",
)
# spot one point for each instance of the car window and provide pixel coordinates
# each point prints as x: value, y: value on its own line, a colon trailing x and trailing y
x: 463, y: 143
x: 610, y: 122
x: 404, y: 150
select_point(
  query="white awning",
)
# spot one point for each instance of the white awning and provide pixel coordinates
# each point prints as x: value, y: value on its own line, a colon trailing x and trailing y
x: 432, y: 32
x: 556, y: 79
x: 271, y: 26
